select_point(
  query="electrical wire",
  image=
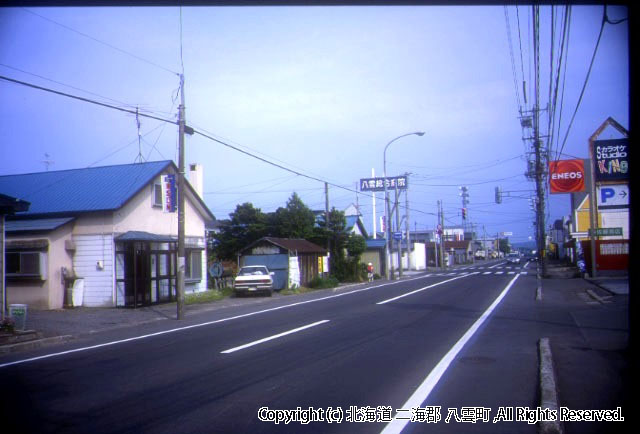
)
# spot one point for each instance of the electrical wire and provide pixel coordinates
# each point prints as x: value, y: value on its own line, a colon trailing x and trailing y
x: 100, y: 42
x: 24, y: 83
x: 586, y: 79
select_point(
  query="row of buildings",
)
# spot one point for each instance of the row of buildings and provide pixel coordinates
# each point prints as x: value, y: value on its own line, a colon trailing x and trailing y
x: 111, y: 233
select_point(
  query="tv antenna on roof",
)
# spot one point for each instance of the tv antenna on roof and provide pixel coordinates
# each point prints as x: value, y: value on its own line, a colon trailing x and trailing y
x: 139, y: 158
x: 47, y: 161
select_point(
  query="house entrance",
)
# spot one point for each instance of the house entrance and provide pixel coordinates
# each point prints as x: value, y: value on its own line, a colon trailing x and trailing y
x: 145, y: 271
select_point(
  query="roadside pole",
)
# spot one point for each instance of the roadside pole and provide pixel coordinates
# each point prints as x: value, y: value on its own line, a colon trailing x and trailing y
x: 399, y: 242
x: 181, y: 206
x: 406, y: 216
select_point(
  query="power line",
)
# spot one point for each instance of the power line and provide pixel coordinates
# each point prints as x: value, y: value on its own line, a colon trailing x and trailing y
x: 586, y: 79
x: 64, y: 84
x: 101, y: 42
x: 68, y: 95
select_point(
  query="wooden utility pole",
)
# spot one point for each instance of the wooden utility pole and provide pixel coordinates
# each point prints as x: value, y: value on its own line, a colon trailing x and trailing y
x: 326, y: 214
x: 181, y: 206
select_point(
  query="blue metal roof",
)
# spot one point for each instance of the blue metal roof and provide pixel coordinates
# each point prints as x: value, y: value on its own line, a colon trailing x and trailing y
x: 378, y: 243
x: 81, y: 190
x: 36, y: 225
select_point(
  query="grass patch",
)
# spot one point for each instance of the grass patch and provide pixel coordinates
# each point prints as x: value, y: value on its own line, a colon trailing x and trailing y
x: 207, y: 296
x: 294, y: 291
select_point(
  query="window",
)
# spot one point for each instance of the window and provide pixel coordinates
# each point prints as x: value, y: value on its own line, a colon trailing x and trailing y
x: 193, y: 265
x: 25, y: 264
x: 157, y: 195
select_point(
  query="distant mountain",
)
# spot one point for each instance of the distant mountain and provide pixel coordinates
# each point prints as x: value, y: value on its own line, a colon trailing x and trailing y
x: 524, y: 245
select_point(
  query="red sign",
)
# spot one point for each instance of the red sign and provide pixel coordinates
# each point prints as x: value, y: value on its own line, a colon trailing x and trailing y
x: 566, y: 176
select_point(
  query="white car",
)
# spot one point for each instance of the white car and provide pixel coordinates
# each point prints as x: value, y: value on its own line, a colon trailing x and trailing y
x: 513, y: 258
x: 253, y: 279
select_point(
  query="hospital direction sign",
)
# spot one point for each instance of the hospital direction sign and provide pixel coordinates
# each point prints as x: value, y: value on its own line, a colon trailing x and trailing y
x: 377, y: 184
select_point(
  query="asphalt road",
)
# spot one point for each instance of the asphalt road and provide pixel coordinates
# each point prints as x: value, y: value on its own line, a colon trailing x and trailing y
x: 462, y: 341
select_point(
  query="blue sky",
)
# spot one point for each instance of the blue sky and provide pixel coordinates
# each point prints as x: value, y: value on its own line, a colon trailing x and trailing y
x: 321, y: 90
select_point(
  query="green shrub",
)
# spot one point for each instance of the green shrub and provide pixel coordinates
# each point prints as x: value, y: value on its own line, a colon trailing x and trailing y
x: 322, y: 282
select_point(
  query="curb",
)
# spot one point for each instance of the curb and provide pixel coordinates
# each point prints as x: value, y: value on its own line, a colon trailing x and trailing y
x: 548, y: 389
x: 36, y: 343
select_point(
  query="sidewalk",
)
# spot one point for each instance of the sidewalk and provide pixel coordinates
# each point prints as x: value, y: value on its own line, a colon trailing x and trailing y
x: 588, y: 330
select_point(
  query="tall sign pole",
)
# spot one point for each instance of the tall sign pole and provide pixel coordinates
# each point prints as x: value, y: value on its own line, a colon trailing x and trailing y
x: 181, y: 206
x: 373, y: 205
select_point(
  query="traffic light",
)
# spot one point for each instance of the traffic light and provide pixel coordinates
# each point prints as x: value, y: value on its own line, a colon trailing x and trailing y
x: 464, y: 213
x: 498, y: 195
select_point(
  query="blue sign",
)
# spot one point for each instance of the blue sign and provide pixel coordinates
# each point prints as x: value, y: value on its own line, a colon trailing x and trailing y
x: 169, y: 193
x: 397, y: 236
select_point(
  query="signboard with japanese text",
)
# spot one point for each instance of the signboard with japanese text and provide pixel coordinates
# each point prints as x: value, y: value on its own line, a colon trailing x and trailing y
x: 611, y: 160
x: 169, y: 193
x: 377, y: 184
x: 566, y: 176
x: 606, y: 232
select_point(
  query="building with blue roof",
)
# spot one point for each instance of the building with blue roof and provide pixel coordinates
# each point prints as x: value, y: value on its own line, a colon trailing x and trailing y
x: 110, y: 230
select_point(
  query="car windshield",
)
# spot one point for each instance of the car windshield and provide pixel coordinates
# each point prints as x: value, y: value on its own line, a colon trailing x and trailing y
x: 253, y: 271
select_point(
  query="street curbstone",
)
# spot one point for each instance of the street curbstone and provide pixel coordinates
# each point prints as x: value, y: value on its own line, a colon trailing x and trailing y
x: 548, y: 389
x: 33, y: 344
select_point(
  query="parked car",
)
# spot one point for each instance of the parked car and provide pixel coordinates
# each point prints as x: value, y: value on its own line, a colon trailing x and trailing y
x: 513, y: 258
x: 253, y: 279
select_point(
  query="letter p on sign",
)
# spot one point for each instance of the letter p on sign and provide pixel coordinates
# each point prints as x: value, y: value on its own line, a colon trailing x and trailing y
x: 606, y: 193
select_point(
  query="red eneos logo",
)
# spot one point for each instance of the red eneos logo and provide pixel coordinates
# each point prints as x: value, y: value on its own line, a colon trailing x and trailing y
x: 566, y: 176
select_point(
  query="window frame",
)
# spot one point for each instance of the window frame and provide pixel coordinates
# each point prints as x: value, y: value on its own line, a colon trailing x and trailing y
x: 188, y: 265
x: 40, y: 265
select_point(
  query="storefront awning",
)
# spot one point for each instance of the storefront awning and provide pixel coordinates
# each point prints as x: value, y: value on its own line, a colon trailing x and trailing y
x: 145, y: 236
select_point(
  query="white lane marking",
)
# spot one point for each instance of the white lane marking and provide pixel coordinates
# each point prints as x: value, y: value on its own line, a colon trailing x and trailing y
x: 422, y: 393
x: 499, y: 272
x: 270, y: 338
x: 426, y: 287
x: 497, y: 265
x: 178, y: 329
x: 486, y: 272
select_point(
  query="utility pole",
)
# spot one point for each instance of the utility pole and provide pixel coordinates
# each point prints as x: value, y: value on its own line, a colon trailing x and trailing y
x: 399, y: 243
x: 407, y: 225
x: 326, y: 214
x: 442, y: 237
x: 181, y: 205
x: 537, y: 143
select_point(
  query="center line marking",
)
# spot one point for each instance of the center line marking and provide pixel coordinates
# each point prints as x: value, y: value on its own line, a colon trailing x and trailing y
x: 279, y: 335
x: 426, y: 287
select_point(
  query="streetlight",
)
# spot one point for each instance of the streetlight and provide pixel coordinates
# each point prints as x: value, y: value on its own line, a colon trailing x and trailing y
x: 387, y: 232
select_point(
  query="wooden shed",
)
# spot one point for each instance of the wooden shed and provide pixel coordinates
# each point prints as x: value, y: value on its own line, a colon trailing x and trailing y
x: 293, y: 261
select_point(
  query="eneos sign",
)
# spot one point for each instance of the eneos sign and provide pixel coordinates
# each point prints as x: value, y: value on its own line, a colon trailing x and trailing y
x: 566, y: 176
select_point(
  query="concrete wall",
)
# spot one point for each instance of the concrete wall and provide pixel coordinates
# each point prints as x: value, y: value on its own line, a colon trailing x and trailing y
x: 47, y: 293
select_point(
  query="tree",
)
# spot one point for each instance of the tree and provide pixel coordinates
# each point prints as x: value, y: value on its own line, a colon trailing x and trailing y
x: 296, y: 220
x: 247, y: 224
x: 334, y: 235
x: 356, y: 245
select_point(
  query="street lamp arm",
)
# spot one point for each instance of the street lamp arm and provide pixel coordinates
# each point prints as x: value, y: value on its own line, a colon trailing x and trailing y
x: 387, y: 232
